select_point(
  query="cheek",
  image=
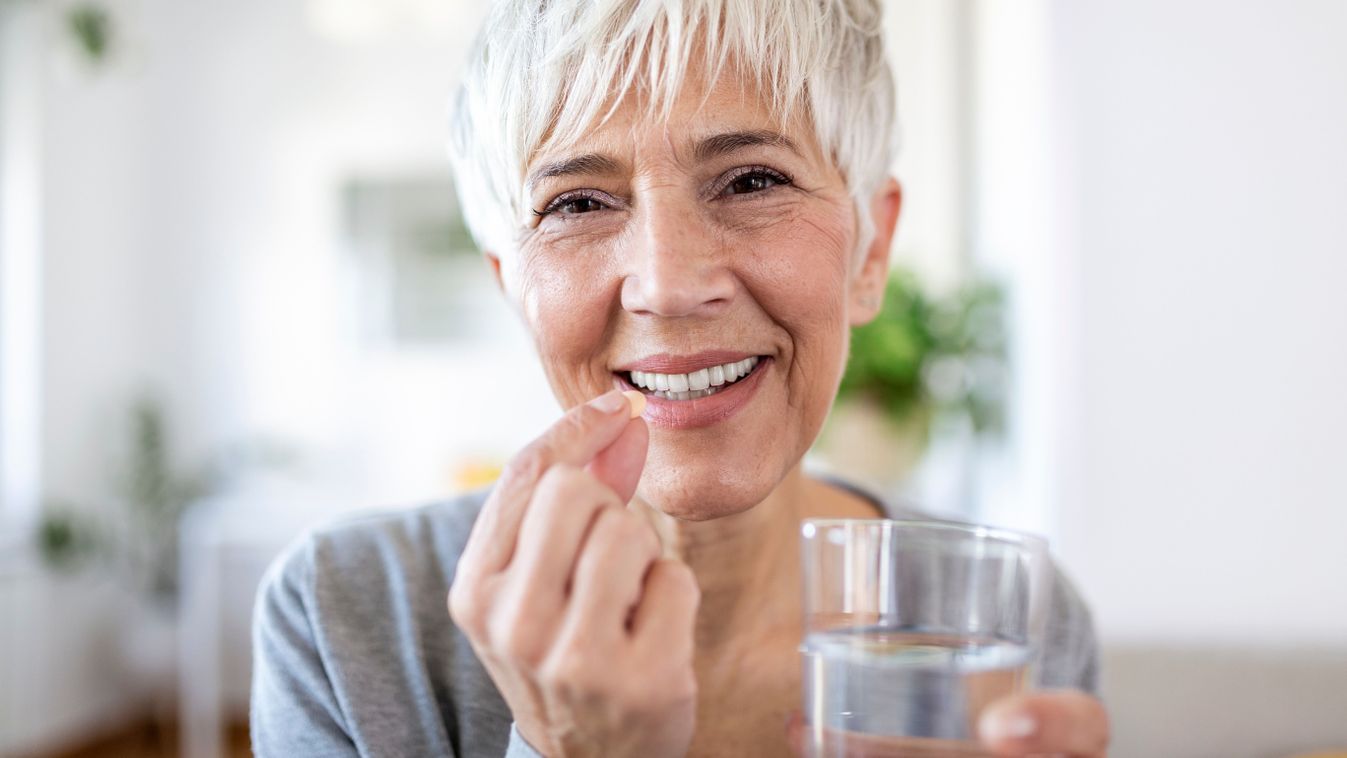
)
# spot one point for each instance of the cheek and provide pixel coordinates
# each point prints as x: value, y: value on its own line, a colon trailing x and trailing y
x: 799, y: 275
x: 566, y: 306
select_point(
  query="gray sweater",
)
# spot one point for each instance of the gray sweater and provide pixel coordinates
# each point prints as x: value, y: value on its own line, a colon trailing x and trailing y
x: 355, y: 653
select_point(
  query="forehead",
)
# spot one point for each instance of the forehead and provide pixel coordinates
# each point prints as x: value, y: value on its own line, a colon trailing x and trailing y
x: 697, y: 123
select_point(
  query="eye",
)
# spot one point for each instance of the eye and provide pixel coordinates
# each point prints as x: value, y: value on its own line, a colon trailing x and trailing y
x: 579, y: 205
x: 571, y: 204
x: 753, y: 179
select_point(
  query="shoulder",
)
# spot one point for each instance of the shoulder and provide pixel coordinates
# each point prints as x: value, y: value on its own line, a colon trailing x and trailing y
x: 351, y: 631
x: 437, y: 531
x: 377, y: 550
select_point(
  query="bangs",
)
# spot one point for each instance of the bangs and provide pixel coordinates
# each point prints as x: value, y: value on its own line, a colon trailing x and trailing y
x: 649, y: 48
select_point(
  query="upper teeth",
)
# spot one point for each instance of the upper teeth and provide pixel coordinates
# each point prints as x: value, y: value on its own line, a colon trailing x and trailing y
x: 695, y: 381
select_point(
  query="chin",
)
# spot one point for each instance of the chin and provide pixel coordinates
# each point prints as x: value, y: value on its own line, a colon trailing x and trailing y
x: 705, y: 492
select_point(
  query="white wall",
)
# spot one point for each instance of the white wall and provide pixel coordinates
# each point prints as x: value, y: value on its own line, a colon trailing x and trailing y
x: 55, y: 664
x: 20, y: 244
x: 927, y: 48
x: 1211, y: 175
x: 1164, y: 183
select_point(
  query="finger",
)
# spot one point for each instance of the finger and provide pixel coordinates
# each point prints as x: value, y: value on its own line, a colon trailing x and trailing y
x: 565, y: 506
x: 620, y: 464
x: 795, y: 733
x: 665, y: 617
x: 609, y: 573
x: 575, y: 439
x: 1067, y: 722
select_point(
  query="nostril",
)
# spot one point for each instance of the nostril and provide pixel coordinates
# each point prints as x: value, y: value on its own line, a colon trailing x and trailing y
x: 679, y: 286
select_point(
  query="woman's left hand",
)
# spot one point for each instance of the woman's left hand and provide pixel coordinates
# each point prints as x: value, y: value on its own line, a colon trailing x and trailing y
x: 1057, y: 722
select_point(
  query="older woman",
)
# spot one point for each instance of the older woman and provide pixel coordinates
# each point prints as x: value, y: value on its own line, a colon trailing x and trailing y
x: 689, y: 201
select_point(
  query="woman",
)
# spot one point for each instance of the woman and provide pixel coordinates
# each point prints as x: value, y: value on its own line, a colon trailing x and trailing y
x: 689, y: 201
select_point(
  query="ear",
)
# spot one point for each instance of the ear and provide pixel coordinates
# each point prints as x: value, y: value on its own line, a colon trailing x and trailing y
x: 868, y: 282
x: 493, y: 261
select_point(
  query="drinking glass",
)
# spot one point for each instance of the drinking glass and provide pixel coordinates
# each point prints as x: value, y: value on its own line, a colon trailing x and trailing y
x: 912, y: 628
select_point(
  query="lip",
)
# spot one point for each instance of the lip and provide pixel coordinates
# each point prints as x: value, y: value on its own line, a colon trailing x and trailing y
x: 704, y: 411
x: 665, y: 363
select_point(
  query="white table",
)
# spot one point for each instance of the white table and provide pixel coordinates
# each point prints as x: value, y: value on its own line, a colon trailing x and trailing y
x: 227, y: 543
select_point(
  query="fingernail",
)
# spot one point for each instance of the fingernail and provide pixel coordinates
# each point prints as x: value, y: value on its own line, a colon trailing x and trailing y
x: 1012, y: 725
x: 610, y: 402
x: 637, y: 402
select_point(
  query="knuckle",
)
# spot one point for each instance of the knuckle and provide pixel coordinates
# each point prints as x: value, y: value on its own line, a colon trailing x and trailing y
x: 571, y: 427
x: 462, y: 609
x: 558, y: 480
x: 650, y: 540
x: 658, y: 694
x: 615, y: 531
x: 579, y: 421
x: 683, y: 581
x: 561, y: 485
x: 466, y: 606
x: 607, y: 525
x: 683, y: 686
x: 628, y: 528
x: 522, y: 644
x: 567, y: 672
x: 528, y: 465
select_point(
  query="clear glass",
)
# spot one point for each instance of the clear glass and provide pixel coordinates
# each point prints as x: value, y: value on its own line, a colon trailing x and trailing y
x: 912, y: 628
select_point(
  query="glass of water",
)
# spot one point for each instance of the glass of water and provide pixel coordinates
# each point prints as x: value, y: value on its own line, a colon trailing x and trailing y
x: 911, y: 629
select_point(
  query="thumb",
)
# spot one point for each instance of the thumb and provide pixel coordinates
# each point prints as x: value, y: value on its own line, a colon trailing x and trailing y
x: 576, y: 439
x: 620, y: 464
x: 795, y: 732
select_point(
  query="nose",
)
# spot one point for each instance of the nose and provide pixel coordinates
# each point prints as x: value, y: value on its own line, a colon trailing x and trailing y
x: 676, y: 266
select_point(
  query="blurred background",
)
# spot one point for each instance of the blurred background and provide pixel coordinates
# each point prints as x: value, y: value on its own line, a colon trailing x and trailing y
x: 236, y: 298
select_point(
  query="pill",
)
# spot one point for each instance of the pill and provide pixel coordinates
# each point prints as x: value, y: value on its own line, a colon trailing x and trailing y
x: 637, y: 402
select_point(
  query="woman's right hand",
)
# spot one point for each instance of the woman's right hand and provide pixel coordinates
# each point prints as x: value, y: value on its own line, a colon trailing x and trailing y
x: 585, y: 629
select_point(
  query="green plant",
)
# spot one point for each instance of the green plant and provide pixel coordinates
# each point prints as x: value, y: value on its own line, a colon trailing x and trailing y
x: 66, y: 540
x: 91, y: 26
x: 925, y: 354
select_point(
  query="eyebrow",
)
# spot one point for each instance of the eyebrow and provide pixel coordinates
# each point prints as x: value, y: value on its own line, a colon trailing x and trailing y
x: 589, y: 163
x: 715, y: 146
x: 719, y: 145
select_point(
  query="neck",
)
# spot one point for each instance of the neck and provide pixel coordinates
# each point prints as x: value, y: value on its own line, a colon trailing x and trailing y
x: 748, y: 564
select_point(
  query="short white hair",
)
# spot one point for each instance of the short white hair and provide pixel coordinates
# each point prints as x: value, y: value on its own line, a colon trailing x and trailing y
x: 543, y: 71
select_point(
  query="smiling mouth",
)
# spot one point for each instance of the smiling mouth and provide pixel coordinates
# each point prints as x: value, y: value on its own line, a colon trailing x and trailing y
x: 691, y: 386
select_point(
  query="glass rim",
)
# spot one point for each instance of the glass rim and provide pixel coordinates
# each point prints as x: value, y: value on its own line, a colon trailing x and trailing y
x: 979, y: 531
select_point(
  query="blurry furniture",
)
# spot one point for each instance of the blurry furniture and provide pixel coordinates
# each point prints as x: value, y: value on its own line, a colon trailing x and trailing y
x: 1212, y: 702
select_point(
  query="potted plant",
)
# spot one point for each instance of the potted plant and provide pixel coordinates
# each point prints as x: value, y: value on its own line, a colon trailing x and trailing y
x: 924, y: 360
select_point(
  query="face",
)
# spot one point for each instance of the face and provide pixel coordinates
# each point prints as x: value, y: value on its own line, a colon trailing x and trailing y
x: 678, y: 253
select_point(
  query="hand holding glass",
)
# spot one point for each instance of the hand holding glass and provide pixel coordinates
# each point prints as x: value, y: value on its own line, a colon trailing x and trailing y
x: 911, y: 629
